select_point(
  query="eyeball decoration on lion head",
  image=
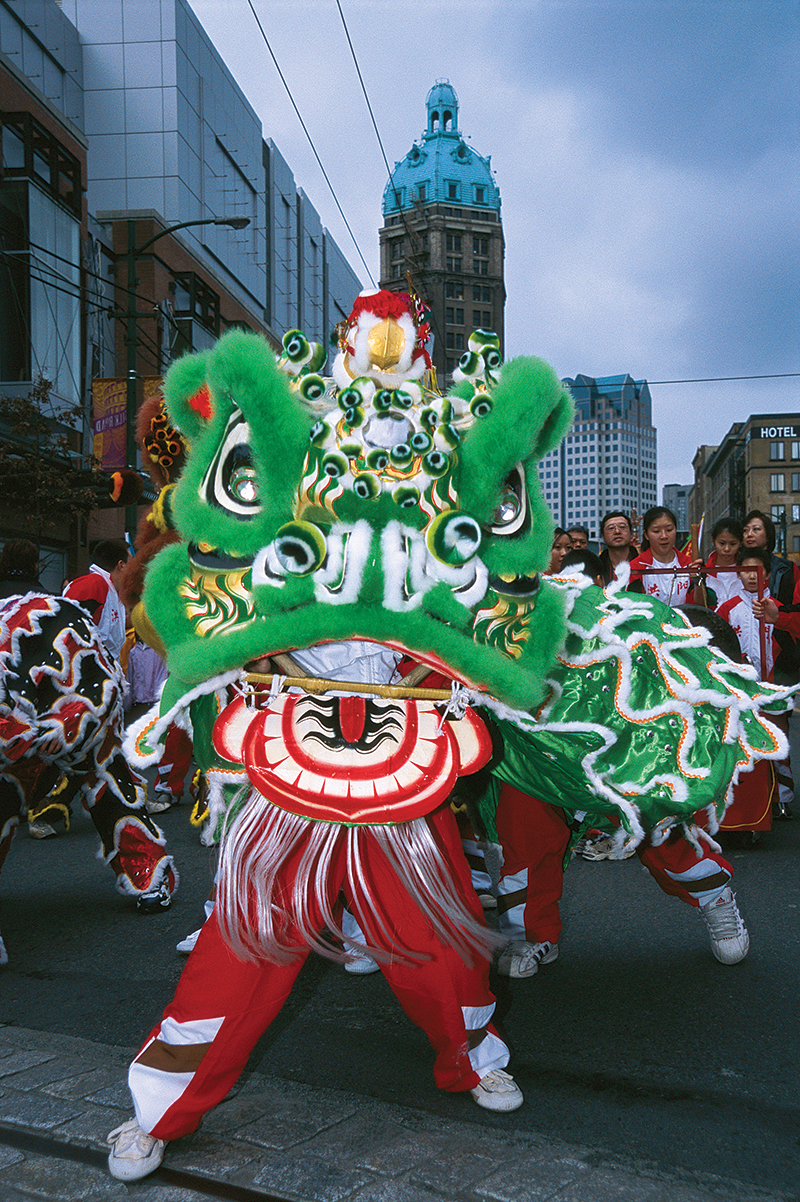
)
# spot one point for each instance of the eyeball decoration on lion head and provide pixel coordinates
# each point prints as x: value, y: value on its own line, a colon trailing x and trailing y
x: 365, y: 521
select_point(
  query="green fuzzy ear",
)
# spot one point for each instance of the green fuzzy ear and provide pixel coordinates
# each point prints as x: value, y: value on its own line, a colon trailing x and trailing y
x: 184, y: 392
x: 531, y: 412
x: 237, y: 381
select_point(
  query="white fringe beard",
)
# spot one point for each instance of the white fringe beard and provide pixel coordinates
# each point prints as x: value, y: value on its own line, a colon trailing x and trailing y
x: 259, y: 920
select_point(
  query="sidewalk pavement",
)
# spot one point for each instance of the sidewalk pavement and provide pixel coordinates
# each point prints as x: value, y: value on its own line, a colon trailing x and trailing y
x: 273, y: 1139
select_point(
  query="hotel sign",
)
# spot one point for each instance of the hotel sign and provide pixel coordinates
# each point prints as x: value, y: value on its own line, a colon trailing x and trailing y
x: 773, y: 432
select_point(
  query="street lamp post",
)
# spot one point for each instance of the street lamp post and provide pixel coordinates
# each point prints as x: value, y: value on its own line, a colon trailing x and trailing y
x: 132, y: 315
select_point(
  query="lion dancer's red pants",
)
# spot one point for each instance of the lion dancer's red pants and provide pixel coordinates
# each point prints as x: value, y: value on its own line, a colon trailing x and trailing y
x: 534, y: 838
x: 223, y: 1005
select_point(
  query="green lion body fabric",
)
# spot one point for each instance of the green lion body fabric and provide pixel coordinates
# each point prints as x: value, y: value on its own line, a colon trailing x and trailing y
x: 315, y: 512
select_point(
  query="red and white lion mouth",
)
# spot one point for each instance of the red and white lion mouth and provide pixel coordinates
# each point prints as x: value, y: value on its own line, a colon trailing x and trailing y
x: 351, y: 759
x: 357, y: 757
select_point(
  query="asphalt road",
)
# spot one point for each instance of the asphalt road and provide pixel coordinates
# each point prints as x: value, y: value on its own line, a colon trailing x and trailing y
x: 635, y: 1041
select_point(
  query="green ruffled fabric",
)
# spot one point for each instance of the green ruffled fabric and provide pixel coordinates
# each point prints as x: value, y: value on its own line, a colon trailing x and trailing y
x: 644, y: 721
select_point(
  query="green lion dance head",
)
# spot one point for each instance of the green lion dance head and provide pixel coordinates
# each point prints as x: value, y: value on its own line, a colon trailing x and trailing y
x: 315, y: 512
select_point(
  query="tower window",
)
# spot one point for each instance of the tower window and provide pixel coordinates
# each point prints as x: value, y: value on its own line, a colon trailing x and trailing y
x: 480, y: 195
x: 453, y: 190
x: 454, y: 290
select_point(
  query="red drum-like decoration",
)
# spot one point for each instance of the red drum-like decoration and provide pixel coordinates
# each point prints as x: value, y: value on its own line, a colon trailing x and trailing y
x: 352, y: 759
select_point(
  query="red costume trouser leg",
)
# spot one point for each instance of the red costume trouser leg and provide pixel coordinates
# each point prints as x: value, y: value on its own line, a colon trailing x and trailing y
x: 175, y: 761
x: 223, y: 1005
x: 534, y: 838
x: 678, y: 870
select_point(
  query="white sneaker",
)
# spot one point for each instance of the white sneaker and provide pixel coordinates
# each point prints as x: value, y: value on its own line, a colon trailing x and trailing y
x: 605, y: 848
x: 133, y: 1153
x: 41, y: 830
x: 359, y: 962
x: 187, y: 945
x: 523, y: 959
x: 158, y: 805
x: 730, y: 941
x: 498, y: 1091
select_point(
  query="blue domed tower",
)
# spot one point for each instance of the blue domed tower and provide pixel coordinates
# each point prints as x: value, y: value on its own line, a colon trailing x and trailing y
x: 441, y: 223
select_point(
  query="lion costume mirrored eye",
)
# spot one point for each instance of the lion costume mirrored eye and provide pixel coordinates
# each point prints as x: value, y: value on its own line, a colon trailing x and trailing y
x: 512, y: 514
x: 231, y: 481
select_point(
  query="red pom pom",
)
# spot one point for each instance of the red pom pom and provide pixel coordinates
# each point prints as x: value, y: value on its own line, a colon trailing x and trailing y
x: 201, y: 402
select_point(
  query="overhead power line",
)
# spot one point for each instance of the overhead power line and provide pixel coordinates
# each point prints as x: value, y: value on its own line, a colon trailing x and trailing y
x: 412, y: 234
x: 310, y: 139
x: 364, y: 90
x: 778, y: 375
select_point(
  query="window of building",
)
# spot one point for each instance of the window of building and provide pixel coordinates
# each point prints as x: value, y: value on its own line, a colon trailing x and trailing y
x: 776, y: 450
x: 482, y: 318
x: 454, y: 341
x: 796, y: 450
x: 194, y: 298
x: 778, y: 514
x: 795, y: 481
x: 796, y: 513
x: 453, y: 189
x: 454, y: 317
x: 39, y: 306
x: 397, y: 249
x: 480, y: 195
x: 777, y: 482
x: 396, y: 268
x: 454, y: 290
x: 421, y: 190
x: 452, y: 242
x: 30, y: 151
x: 480, y: 292
x: 453, y: 265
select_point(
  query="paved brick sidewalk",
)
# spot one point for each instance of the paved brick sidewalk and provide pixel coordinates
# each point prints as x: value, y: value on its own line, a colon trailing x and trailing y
x: 272, y: 1139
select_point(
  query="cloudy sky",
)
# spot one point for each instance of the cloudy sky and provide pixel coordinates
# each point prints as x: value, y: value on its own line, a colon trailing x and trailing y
x: 646, y: 153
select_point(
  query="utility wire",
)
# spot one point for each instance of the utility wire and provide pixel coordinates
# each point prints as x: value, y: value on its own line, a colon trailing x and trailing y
x: 412, y: 235
x: 779, y: 375
x: 310, y: 140
x: 366, y: 97
x: 74, y: 290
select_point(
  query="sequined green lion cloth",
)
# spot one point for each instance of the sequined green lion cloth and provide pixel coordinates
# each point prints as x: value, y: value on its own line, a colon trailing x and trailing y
x: 643, y: 720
